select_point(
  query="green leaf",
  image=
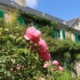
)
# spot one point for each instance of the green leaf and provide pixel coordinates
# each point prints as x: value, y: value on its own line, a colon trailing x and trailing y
x: 4, y: 59
x: 13, y: 61
x: 1, y: 30
x: 2, y: 70
x: 5, y: 37
x: 8, y: 73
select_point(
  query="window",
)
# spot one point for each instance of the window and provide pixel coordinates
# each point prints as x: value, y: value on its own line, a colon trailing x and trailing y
x: 56, y: 34
x: 79, y: 38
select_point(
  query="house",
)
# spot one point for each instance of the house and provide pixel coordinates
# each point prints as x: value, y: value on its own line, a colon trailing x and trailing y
x: 75, y: 24
x: 61, y: 32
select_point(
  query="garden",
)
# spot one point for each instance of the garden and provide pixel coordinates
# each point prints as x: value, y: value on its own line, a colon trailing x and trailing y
x: 26, y: 53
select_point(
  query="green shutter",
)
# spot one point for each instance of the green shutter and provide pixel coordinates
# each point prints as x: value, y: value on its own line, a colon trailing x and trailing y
x: 63, y: 34
x: 54, y: 33
x: 36, y: 26
x: 76, y: 37
x: 20, y: 20
x: 1, y: 14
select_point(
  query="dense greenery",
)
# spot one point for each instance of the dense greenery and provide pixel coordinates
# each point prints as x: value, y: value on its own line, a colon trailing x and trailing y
x: 63, y: 50
x: 18, y: 62
x: 42, y: 21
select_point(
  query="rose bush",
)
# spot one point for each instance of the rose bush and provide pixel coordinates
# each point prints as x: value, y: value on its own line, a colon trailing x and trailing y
x: 18, y: 61
x: 55, y: 72
x: 33, y: 35
x: 20, y: 58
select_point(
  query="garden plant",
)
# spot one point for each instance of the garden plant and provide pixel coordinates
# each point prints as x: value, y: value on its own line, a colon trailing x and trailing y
x: 25, y: 53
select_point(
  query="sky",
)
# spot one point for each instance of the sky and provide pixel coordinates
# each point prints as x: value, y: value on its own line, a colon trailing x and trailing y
x: 64, y: 9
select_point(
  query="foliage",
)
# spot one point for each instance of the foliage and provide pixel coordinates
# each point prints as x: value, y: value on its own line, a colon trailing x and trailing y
x: 78, y: 78
x: 53, y: 72
x: 66, y: 51
x: 39, y: 20
x: 17, y: 61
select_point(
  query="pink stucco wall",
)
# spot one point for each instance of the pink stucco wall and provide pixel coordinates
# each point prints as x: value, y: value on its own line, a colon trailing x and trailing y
x: 7, y: 17
x: 67, y: 35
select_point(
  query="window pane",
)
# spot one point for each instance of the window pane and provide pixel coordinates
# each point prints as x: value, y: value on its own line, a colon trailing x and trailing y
x: 58, y: 34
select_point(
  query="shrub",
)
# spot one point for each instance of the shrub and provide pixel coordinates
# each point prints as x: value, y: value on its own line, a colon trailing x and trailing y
x: 17, y: 61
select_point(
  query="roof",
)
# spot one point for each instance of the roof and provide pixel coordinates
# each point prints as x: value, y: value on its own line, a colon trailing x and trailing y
x: 71, y: 22
x: 30, y: 10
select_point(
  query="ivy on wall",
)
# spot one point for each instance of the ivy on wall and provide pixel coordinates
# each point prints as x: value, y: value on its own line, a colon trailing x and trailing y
x: 39, y: 20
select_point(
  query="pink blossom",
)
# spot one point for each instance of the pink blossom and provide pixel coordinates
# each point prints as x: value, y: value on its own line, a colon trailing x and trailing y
x: 32, y: 34
x: 42, y: 45
x: 44, y: 55
x: 18, y: 68
x: 41, y: 79
x: 11, y: 69
x: 79, y: 65
x: 55, y: 62
x: 53, y: 69
x: 60, y: 68
x: 46, y: 65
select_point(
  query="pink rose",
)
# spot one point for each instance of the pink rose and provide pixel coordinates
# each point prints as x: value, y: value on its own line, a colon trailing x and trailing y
x: 41, y: 79
x: 44, y: 55
x: 78, y: 65
x: 32, y: 34
x: 60, y: 68
x: 46, y: 65
x: 55, y: 62
x: 42, y: 45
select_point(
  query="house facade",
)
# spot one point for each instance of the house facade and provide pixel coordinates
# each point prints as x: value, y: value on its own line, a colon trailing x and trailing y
x: 75, y: 24
x: 67, y: 30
